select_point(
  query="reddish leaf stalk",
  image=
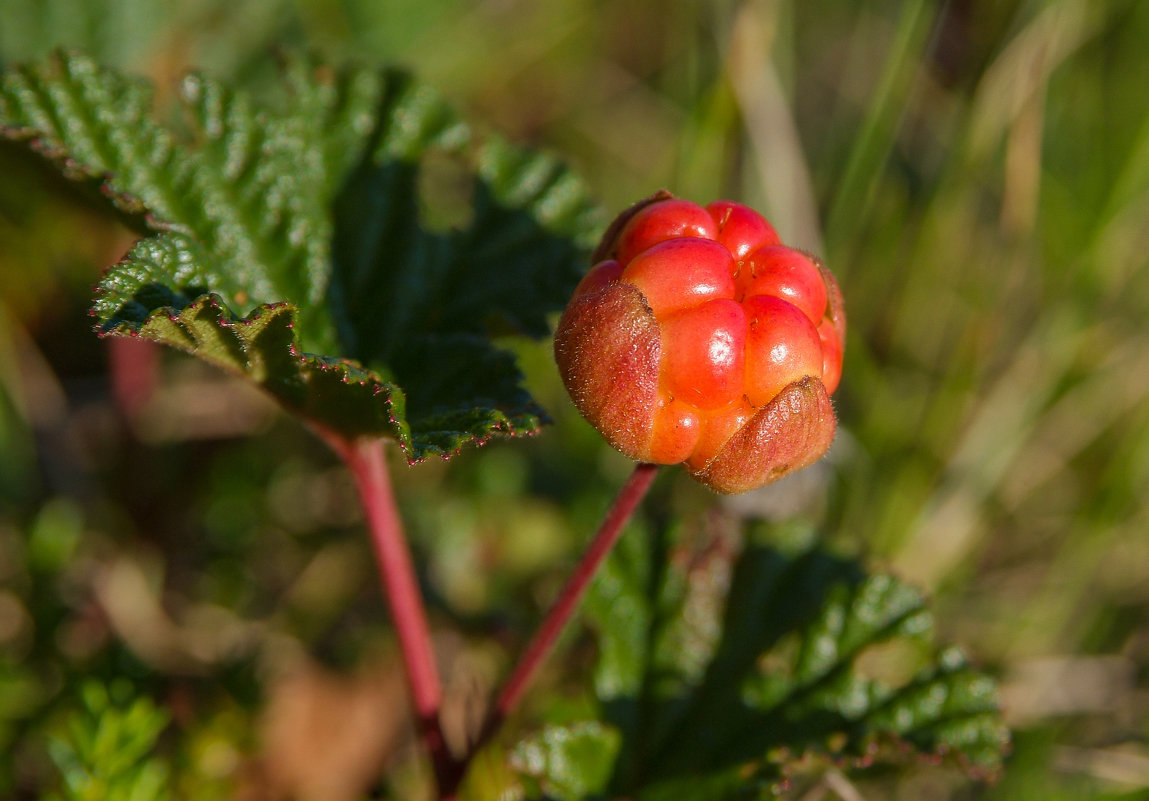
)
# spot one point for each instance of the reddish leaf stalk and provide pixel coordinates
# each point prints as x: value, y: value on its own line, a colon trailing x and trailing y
x: 625, y: 503
x: 134, y: 365
x: 366, y: 461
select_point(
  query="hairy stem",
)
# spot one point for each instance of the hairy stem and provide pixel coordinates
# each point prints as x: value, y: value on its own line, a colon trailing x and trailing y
x: 625, y: 503
x: 365, y: 459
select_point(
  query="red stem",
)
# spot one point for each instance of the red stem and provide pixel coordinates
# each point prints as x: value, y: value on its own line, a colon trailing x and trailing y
x: 135, y: 366
x: 629, y: 496
x: 366, y: 461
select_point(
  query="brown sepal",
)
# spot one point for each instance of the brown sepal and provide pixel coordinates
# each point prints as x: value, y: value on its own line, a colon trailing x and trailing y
x: 791, y: 432
x: 607, y: 347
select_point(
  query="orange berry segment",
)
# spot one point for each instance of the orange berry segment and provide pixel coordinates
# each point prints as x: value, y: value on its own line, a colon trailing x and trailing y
x: 782, y: 346
x: 831, y: 355
x: 676, y: 430
x: 680, y: 273
x: 741, y: 229
x: 719, y: 427
x: 703, y: 354
x: 601, y: 275
x: 787, y: 274
x: 666, y: 219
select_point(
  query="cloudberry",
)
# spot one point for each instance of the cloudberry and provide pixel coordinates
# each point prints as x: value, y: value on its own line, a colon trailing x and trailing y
x: 699, y: 338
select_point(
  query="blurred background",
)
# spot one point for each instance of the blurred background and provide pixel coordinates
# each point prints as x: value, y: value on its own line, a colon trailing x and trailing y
x: 976, y: 173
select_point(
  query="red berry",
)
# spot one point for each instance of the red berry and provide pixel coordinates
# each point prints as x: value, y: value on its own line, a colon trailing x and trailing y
x: 741, y: 229
x: 721, y: 425
x: 704, y: 341
x: 676, y: 430
x: 831, y: 355
x: 788, y: 274
x: 679, y: 273
x: 600, y: 276
x: 782, y: 347
x: 703, y: 360
x: 665, y: 219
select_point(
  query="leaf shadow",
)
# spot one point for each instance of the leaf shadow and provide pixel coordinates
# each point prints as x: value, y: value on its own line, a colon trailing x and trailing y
x: 725, y: 656
x: 708, y: 726
x: 420, y: 305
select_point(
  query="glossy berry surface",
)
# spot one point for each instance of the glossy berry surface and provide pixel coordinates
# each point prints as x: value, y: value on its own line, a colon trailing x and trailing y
x: 698, y: 337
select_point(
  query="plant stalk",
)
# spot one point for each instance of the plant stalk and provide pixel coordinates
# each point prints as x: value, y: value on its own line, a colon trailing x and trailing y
x: 134, y: 365
x: 627, y: 500
x: 365, y: 459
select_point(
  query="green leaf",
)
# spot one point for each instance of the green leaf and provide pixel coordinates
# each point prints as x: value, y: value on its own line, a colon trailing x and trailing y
x: 567, y: 763
x: 726, y: 658
x: 351, y: 246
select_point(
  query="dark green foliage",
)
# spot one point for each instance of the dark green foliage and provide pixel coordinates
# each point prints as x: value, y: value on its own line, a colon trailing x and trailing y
x: 721, y: 663
x: 290, y: 243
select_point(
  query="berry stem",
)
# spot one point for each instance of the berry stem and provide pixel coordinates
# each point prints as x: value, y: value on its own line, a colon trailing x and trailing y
x: 627, y: 500
x: 365, y: 459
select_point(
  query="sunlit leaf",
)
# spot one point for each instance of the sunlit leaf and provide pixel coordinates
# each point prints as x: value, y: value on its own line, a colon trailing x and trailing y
x: 350, y: 246
x: 568, y: 763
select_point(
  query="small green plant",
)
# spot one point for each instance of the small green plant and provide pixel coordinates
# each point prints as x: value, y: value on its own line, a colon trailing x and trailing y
x: 106, y: 748
x: 296, y: 241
